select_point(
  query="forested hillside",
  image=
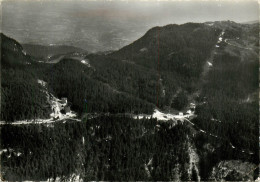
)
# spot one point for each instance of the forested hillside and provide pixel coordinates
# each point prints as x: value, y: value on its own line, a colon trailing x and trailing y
x: 104, y: 148
x: 72, y: 79
x: 21, y: 95
x: 116, y: 83
x: 204, y: 74
x: 229, y: 99
x: 158, y: 64
x: 180, y: 48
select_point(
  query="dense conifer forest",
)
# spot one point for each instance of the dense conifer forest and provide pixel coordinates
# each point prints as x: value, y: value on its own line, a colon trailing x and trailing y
x: 113, y: 148
x: 214, y: 68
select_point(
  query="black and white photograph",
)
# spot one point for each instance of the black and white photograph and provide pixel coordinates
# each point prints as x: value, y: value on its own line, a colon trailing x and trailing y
x: 129, y: 90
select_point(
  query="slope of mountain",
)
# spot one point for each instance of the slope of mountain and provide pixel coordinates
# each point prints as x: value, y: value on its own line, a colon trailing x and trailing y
x: 45, y: 53
x: 102, y: 148
x: 12, y: 53
x: 178, y: 48
x: 21, y: 95
x: 163, y: 61
x: 229, y: 98
x: 72, y: 79
x: 212, y: 66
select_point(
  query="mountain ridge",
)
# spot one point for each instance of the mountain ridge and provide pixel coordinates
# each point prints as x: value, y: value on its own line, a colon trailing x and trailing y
x: 210, y: 70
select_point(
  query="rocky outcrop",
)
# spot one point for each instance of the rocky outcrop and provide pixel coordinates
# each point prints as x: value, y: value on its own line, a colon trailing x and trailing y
x: 233, y: 170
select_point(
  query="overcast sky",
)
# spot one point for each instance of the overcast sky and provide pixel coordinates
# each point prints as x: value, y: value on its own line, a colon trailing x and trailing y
x: 59, y: 22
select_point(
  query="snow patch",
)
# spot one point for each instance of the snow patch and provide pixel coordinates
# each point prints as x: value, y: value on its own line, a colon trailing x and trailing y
x: 163, y: 92
x: 143, y: 49
x: 224, y: 168
x: 213, y: 135
x: 212, y: 119
x: 221, y: 36
x: 2, y: 151
x: 141, y: 116
x: 172, y: 53
x: 56, y: 105
x: 194, y: 161
x: 219, y: 39
x: 71, y: 178
x: 166, y: 116
x: 41, y: 82
x: 148, y: 172
x: 86, y: 62
x: 24, y: 52
x: 11, y: 152
x: 189, y: 112
x: 202, y: 131
x: 209, y: 63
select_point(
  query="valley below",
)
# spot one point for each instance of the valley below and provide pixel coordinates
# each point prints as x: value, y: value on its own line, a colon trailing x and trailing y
x: 178, y: 104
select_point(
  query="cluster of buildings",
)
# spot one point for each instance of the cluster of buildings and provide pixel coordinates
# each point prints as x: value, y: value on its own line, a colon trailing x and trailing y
x: 60, y: 107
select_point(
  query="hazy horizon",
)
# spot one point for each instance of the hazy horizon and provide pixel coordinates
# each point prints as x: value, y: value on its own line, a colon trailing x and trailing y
x: 97, y: 26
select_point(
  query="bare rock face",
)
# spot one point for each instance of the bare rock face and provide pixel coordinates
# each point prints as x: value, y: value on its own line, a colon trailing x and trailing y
x: 233, y: 170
